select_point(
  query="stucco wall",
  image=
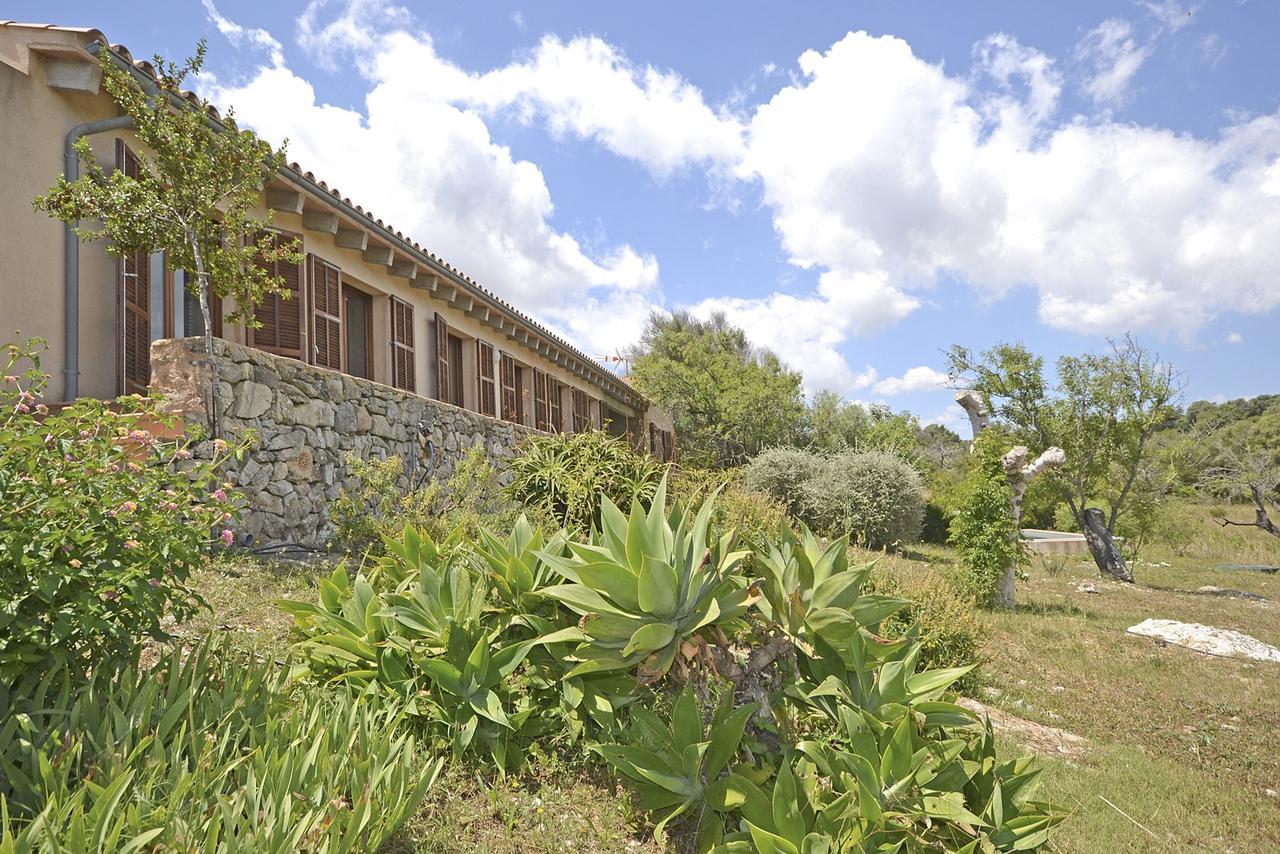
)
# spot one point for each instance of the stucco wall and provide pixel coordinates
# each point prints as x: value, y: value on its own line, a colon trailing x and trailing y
x: 307, y: 420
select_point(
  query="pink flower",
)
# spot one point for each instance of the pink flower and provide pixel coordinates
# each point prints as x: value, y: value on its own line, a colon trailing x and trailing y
x: 182, y: 454
x: 219, y: 444
x: 171, y: 506
x: 42, y: 409
x: 85, y: 434
x: 10, y: 378
x: 26, y: 395
x: 131, y: 544
x: 219, y: 495
x: 128, y: 507
x: 154, y: 582
x: 22, y: 409
x: 75, y: 563
x: 227, y: 537
x: 227, y: 517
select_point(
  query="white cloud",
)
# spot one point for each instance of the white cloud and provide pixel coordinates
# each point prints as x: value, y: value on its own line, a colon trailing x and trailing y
x: 922, y: 378
x: 882, y: 173
x: 1114, y: 56
x: 245, y: 36
x: 1170, y: 13
x: 517, y: 18
x: 432, y: 170
x: 1235, y: 338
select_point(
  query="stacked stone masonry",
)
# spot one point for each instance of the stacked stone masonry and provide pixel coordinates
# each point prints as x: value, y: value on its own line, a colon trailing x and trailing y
x: 306, y: 421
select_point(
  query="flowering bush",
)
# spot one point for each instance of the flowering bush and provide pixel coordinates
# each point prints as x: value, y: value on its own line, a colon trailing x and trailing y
x: 101, y: 523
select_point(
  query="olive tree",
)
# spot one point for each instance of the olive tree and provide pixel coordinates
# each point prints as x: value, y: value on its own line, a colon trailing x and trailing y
x: 197, y: 183
x: 1102, y: 413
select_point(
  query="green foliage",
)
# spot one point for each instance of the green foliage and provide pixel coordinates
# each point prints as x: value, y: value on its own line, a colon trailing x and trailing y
x: 1103, y: 413
x: 645, y: 584
x: 982, y: 528
x: 193, y: 196
x: 811, y: 590
x: 944, y: 619
x: 753, y: 514
x: 730, y: 399
x: 564, y: 476
x: 205, y: 752
x: 373, y: 506
x: 101, y: 524
x: 874, y: 496
x: 783, y: 474
x: 674, y: 767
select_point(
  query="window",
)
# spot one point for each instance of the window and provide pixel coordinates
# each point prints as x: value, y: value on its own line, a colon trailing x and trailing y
x: 541, y: 403
x: 444, y: 372
x: 403, y: 374
x: 455, y: 370
x: 484, y: 373
x: 280, y: 317
x: 359, y: 319
x: 555, y: 410
x: 326, y: 314
x: 141, y: 301
x: 188, y: 320
x: 512, y: 401
x: 581, y: 411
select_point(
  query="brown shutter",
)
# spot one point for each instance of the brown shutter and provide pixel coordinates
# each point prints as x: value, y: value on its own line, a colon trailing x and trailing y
x: 541, y: 413
x: 555, y: 414
x: 326, y: 314
x: 280, y: 315
x: 510, y: 397
x: 403, y: 373
x: 484, y: 371
x: 442, y: 360
x: 581, y: 411
x: 134, y: 340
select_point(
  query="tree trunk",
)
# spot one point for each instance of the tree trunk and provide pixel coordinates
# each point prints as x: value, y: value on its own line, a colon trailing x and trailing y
x: 1104, y: 551
x: 1019, y: 474
x: 971, y: 403
x: 1261, y: 519
x: 208, y: 341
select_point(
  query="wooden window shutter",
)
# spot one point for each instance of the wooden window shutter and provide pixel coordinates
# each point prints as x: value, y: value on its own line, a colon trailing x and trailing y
x: 484, y: 372
x: 555, y: 413
x: 134, y: 338
x: 403, y: 370
x: 442, y: 360
x: 581, y: 411
x: 541, y: 407
x: 510, y: 395
x: 326, y: 314
x: 281, y: 330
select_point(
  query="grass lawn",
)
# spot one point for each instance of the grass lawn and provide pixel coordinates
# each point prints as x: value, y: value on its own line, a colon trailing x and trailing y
x: 1183, y: 748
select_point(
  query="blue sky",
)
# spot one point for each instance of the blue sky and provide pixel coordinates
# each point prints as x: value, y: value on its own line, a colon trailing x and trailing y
x: 860, y: 185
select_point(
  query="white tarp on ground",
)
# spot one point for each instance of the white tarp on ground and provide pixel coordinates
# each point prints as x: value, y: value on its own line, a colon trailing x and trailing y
x: 1224, y: 642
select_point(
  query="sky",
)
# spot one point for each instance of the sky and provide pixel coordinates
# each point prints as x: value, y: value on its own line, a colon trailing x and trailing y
x: 859, y: 185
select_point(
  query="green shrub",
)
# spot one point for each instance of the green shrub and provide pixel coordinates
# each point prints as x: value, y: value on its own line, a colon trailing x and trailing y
x: 873, y: 496
x: 372, y: 506
x: 952, y: 632
x: 754, y: 515
x: 982, y: 528
x: 100, y: 525
x: 205, y: 752
x: 564, y: 475
x: 783, y: 474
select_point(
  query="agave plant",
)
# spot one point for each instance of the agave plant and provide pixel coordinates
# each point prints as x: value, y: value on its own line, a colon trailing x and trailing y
x: 513, y: 565
x: 671, y: 767
x: 810, y: 590
x: 646, y: 583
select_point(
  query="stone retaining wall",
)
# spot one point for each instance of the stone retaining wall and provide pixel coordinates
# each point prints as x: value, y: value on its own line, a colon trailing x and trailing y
x: 307, y: 420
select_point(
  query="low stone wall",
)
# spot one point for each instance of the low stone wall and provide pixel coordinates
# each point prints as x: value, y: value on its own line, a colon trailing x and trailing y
x: 307, y: 420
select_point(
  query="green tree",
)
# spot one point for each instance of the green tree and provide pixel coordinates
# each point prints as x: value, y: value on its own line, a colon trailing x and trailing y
x: 197, y: 184
x: 729, y: 398
x: 1103, y: 412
